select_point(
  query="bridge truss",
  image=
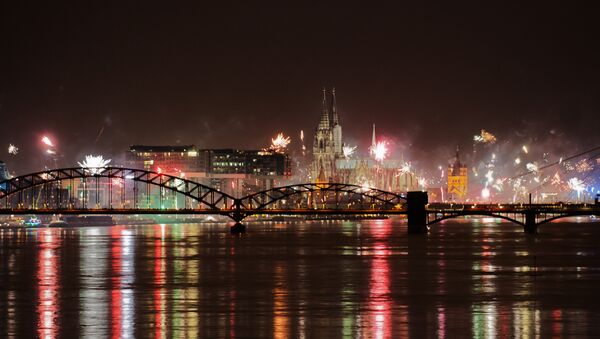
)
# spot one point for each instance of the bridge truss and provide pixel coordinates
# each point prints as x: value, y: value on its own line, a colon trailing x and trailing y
x: 119, y: 190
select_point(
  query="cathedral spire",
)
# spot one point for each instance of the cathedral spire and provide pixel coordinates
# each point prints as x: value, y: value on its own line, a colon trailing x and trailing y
x: 324, y: 123
x: 334, y: 108
x: 373, y: 140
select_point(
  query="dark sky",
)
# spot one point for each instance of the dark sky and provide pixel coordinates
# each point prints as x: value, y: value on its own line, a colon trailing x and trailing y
x: 228, y: 74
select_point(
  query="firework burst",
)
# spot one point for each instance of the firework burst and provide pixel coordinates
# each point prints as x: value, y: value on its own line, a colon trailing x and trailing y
x: 576, y: 185
x: 12, y: 149
x: 94, y: 164
x: 47, y: 141
x: 484, y: 137
x: 583, y: 166
x: 280, y: 143
x: 379, y: 151
x: 348, y: 151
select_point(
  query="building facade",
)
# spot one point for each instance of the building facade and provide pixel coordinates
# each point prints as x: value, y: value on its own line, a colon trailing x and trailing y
x: 327, y: 144
x: 233, y: 171
x: 329, y: 164
x: 457, y: 179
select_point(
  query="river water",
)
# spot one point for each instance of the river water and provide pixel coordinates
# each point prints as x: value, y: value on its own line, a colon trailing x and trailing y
x: 304, y: 279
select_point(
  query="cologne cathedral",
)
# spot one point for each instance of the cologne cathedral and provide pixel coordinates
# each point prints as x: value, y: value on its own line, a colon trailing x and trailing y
x: 327, y: 146
x: 329, y: 164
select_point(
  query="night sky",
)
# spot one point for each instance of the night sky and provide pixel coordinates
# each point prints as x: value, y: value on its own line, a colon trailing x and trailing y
x: 99, y: 77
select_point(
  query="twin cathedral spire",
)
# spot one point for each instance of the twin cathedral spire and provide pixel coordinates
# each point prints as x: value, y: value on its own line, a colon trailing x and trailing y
x: 327, y: 145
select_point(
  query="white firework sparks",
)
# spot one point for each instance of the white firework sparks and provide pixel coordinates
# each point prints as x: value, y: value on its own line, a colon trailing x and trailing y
x: 280, y: 143
x: 583, y: 166
x: 525, y: 149
x: 12, y: 149
x: 485, y: 193
x: 485, y: 137
x: 94, y: 164
x: 405, y: 168
x: 576, y: 185
x: 47, y: 141
x: 348, y: 151
x: 490, y: 176
x: 517, y: 161
x: 379, y: 151
x: 50, y: 151
x: 532, y: 167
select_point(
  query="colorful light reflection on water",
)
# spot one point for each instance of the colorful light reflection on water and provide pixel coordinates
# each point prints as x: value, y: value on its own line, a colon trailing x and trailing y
x: 473, y: 278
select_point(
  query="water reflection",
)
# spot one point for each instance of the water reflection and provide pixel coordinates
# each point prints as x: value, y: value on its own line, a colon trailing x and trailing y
x: 280, y: 307
x: 379, y: 302
x: 122, y: 307
x: 305, y: 279
x: 93, y: 267
x: 160, y: 273
x: 47, y: 280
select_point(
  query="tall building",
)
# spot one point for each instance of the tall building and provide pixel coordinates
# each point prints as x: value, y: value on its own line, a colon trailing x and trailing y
x: 457, y: 179
x: 3, y: 171
x: 328, y: 142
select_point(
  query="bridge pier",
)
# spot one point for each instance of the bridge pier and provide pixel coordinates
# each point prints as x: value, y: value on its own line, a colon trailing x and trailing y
x: 530, y: 224
x: 417, y: 215
x: 238, y: 228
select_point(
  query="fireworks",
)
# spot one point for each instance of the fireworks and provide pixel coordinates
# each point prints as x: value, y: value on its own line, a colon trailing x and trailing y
x: 94, y: 163
x: 532, y: 167
x: 485, y: 137
x: 556, y: 181
x: 405, y: 168
x: 117, y: 182
x: 50, y: 151
x: 280, y: 143
x: 302, y: 142
x: 490, y: 176
x: 485, y: 193
x: 348, y: 151
x: 583, y: 166
x: 47, y: 141
x: 576, y: 185
x: 517, y: 161
x: 525, y: 149
x: 379, y: 151
x: 12, y: 149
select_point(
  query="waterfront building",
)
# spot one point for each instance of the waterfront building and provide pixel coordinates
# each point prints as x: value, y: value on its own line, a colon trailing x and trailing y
x: 232, y: 171
x: 457, y: 179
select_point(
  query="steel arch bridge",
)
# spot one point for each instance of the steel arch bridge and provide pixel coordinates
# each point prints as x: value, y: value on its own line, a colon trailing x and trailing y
x: 12, y: 190
x: 530, y: 217
x: 117, y: 191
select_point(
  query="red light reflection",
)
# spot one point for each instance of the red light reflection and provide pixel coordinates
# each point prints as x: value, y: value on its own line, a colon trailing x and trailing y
x: 47, y: 276
x: 380, y: 307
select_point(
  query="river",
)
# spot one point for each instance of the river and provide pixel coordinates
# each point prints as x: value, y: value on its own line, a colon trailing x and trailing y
x: 303, y: 279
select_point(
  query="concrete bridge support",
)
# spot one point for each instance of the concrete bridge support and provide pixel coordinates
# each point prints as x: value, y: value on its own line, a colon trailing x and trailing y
x: 417, y: 215
x: 530, y: 224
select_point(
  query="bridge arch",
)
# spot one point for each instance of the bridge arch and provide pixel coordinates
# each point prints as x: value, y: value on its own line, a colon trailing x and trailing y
x: 264, y: 199
x: 205, y: 195
x: 569, y: 214
x: 453, y: 215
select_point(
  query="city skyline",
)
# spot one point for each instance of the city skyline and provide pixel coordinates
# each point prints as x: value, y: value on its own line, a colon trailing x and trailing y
x: 119, y: 80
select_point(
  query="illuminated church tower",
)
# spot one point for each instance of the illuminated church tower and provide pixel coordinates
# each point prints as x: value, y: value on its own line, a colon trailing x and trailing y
x: 457, y: 179
x: 327, y: 145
